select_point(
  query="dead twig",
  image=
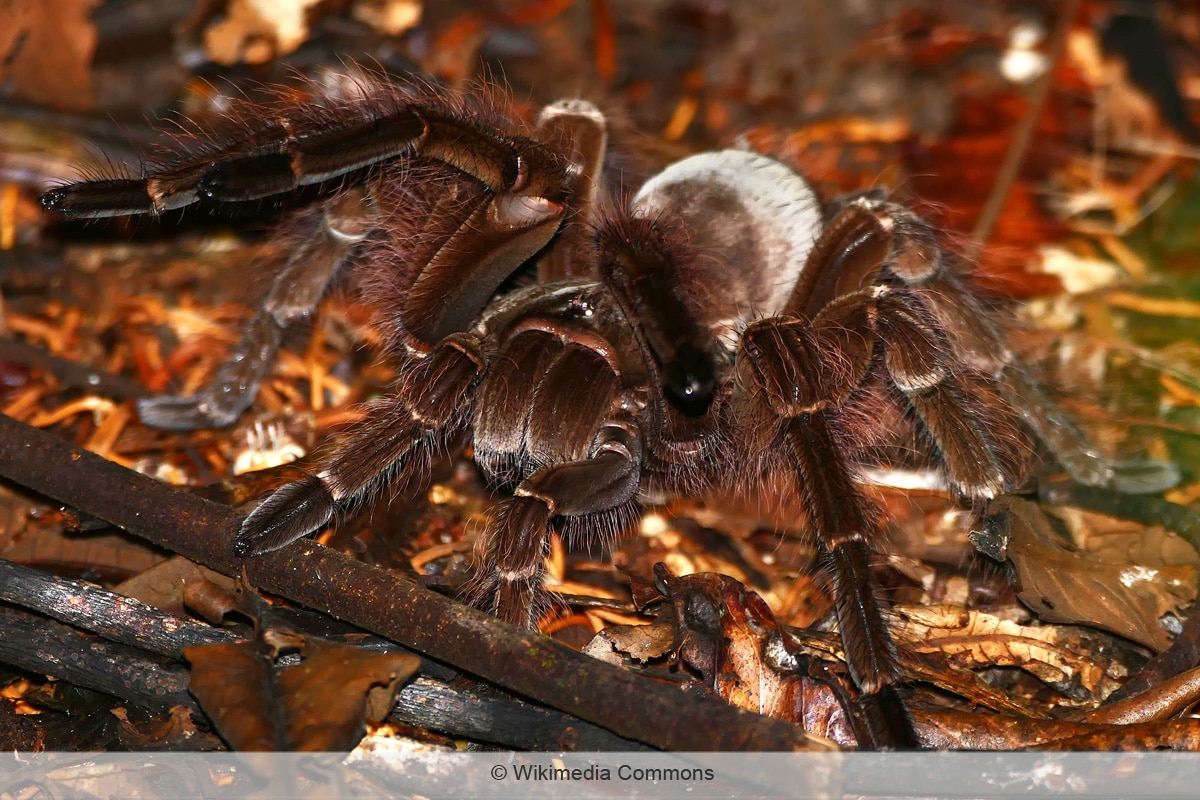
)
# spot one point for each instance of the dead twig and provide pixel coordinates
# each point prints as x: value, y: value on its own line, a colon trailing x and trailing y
x: 39, y: 645
x: 69, y: 373
x: 426, y: 703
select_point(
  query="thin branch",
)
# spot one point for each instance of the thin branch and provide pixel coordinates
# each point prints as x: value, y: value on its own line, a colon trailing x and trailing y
x: 40, y: 645
x: 69, y: 373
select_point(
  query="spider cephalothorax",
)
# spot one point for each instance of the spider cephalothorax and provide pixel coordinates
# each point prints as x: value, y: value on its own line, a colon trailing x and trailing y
x: 717, y: 327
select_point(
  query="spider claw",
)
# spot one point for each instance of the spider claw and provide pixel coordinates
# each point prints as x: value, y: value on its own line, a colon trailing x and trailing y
x: 54, y: 200
x: 93, y: 199
x: 290, y: 513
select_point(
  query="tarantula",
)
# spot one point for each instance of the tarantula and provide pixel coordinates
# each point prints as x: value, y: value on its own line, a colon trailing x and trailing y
x: 720, y: 323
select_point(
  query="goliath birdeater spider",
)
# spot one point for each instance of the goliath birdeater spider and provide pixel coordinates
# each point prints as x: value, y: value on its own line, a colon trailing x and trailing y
x: 721, y: 326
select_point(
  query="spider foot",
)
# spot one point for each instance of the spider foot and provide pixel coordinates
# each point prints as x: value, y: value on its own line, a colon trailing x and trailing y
x: 888, y: 722
x: 290, y: 513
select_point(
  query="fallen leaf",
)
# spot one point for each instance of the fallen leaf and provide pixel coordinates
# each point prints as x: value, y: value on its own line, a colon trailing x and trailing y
x: 256, y: 31
x: 727, y: 633
x: 178, y: 584
x: 977, y: 640
x: 321, y: 704
x: 1061, y: 583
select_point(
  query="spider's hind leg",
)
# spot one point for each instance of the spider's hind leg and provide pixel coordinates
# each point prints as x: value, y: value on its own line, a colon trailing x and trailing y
x: 328, y: 238
x: 935, y: 315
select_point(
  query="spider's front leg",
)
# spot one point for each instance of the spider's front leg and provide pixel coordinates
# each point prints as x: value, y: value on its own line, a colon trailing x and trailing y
x: 393, y: 444
x: 554, y: 419
x: 446, y: 208
x: 276, y: 148
x: 803, y: 367
x: 876, y: 302
x: 802, y: 373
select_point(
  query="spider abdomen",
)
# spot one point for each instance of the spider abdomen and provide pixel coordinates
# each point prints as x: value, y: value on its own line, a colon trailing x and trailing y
x: 751, y: 222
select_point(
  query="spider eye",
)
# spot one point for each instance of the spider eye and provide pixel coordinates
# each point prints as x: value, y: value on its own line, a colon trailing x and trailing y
x: 690, y: 377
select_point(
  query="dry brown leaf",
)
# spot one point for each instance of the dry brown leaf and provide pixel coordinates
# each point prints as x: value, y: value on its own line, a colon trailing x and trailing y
x: 178, y: 584
x: 726, y: 632
x: 975, y: 640
x: 389, y: 17
x: 321, y: 704
x: 639, y: 642
x: 256, y: 31
x: 1123, y: 541
x: 1062, y: 583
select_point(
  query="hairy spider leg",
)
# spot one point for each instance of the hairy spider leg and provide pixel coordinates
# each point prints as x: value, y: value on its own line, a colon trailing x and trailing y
x: 967, y: 334
x: 753, y: 228
x: 891, y: 279
x: 511, y: 553
x: 329, y: 236
x: 464, y: 251
x: 577, y: 129
x: 275, y: 149
x: 798, y: 390
x: 394, y: 443
x: 871, y: 294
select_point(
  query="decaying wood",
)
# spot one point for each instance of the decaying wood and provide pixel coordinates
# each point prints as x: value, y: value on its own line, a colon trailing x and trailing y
x: 40, y: 646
